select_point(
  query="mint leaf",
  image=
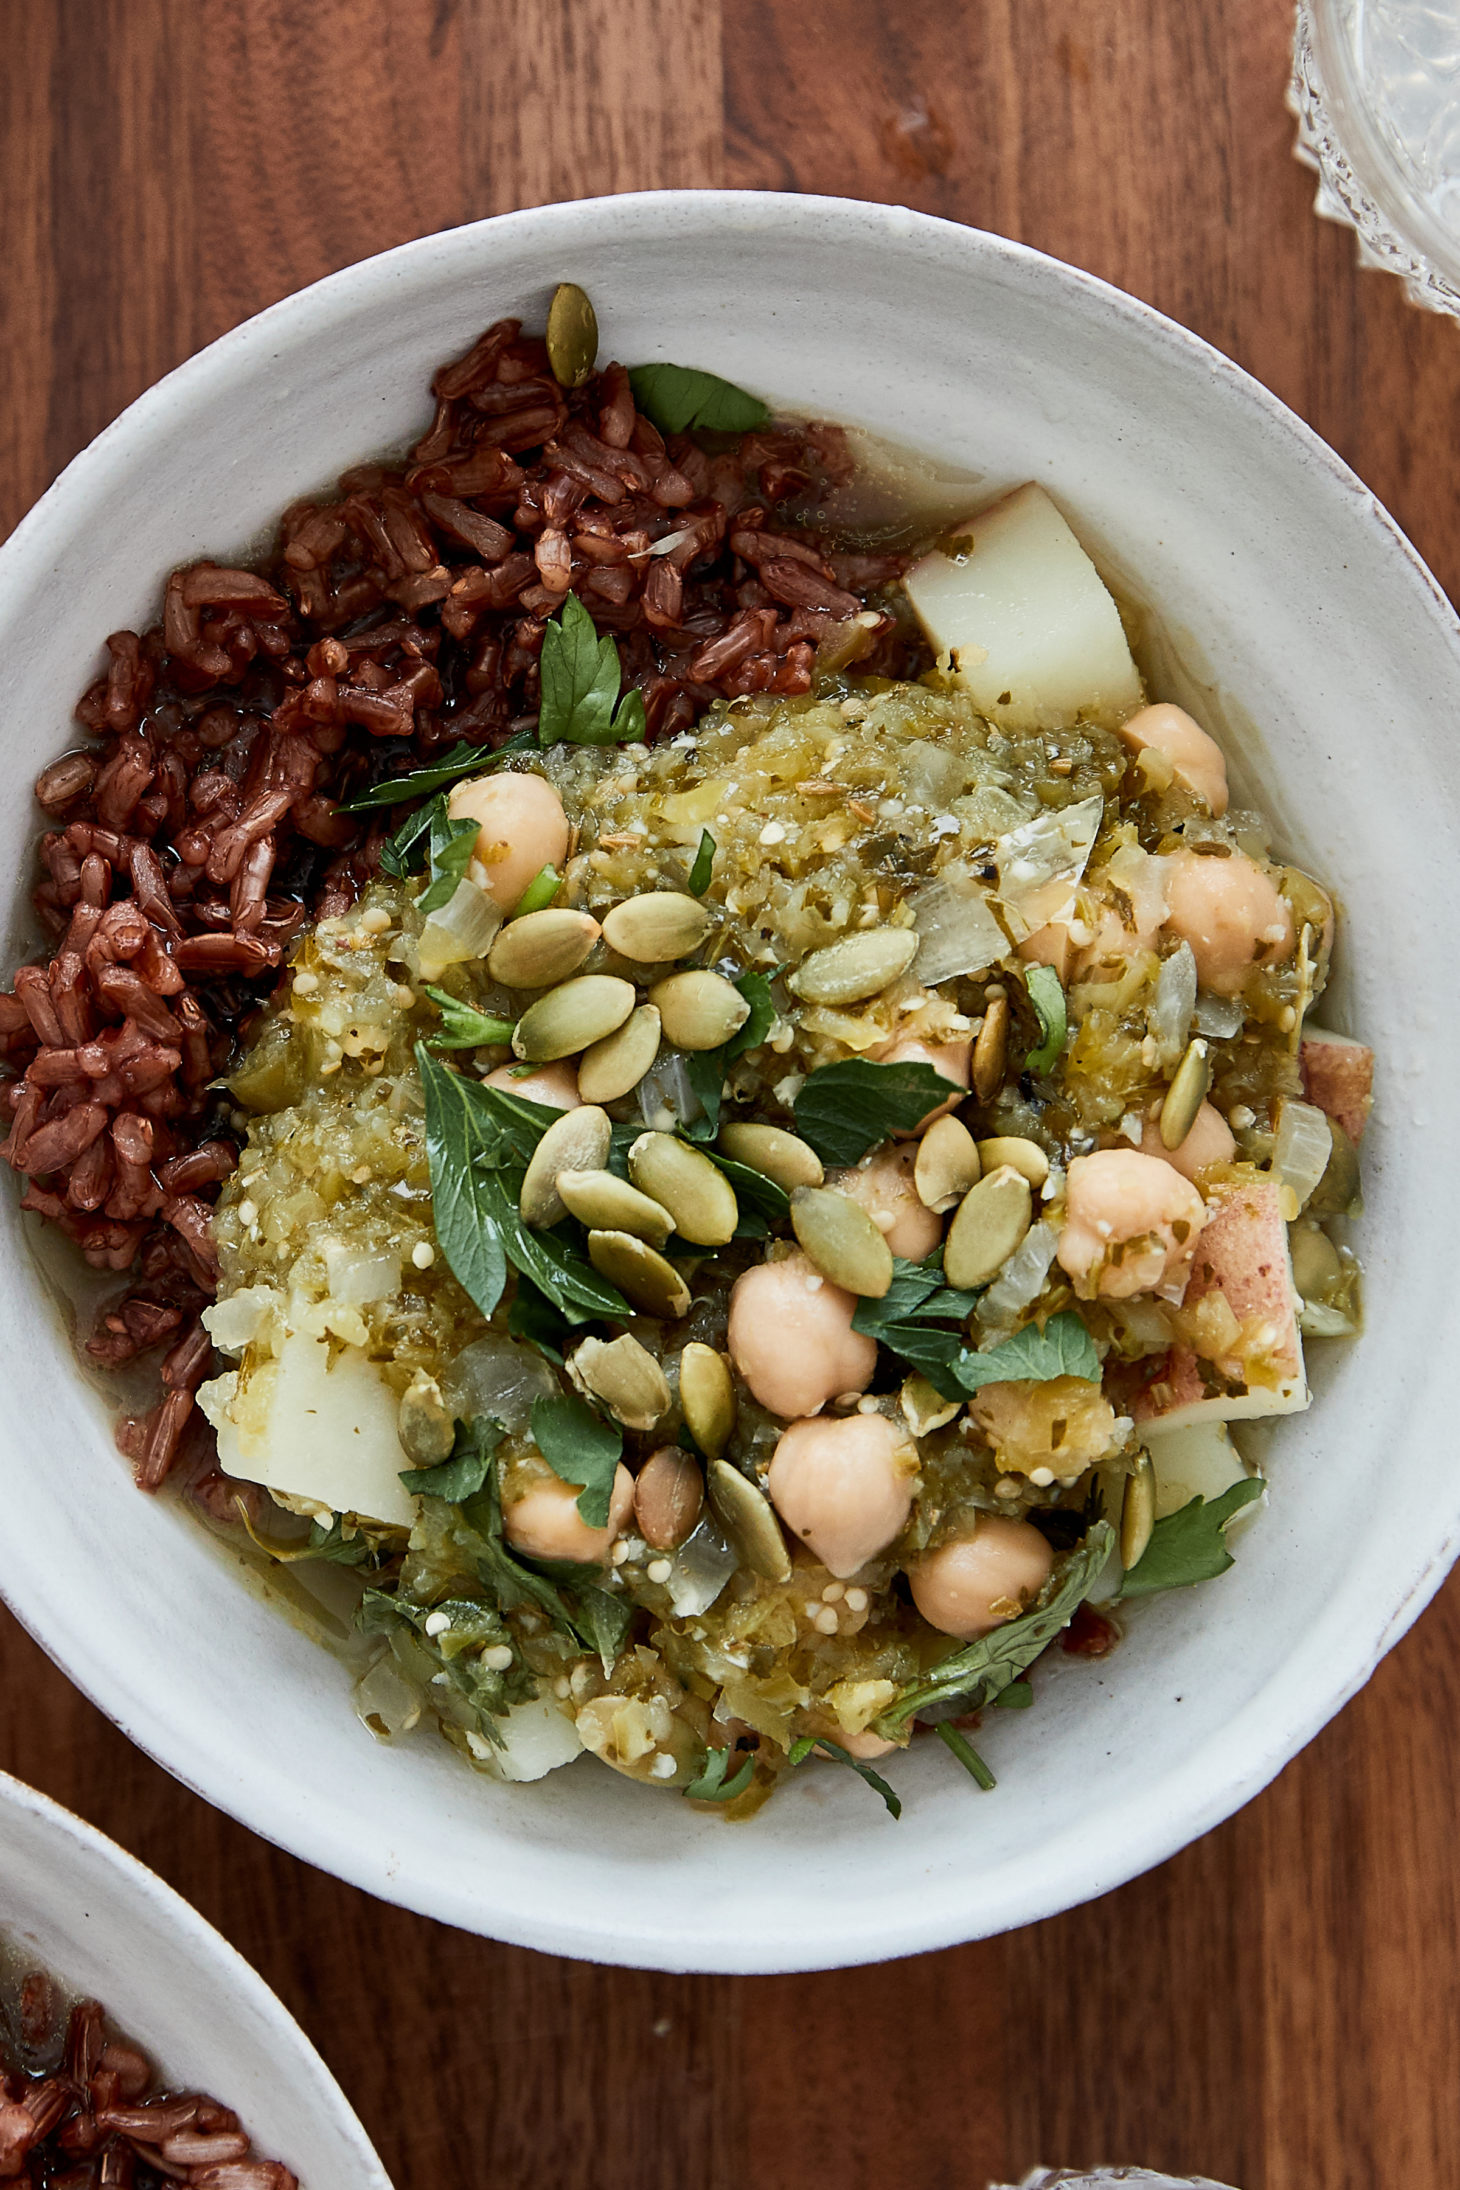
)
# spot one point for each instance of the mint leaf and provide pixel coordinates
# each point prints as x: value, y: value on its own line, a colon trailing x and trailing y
x: 801, y: 1750
x: 580, y: 1448
x: 581, y: 675
x: 845, y: 1109
x: 1048, y: 999
x: 679, y: 398
x: 462, y: 1026
x: 981, y: 1671
x: 700, y: 872
x: 462, y: 760
x: 1063, y: 1348
x: 1190, y: 1545
x: 712, y: 1784
x: 451, y: 846
x: 463, y: 1474
x: 461, y: 1135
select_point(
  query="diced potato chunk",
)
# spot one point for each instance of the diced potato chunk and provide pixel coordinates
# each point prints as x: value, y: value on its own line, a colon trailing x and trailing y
x: 1192, y: 1460
x: 1032, y: 631
x: 325, y: 1432
x: 537, y: 1738
x: 1338, y: 1075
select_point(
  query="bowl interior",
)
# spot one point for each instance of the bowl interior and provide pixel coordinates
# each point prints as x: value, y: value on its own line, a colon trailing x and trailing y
x: 1296, y: 617
x: 108, y: 1929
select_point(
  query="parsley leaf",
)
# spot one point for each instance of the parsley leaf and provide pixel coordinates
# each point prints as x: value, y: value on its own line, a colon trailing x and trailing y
x: 712, y: 1784
x: 845, y: 1109
x: 700, y: 872
x: 461, y: 1136
x: 1048, y: 999
x: 571, y: 1600
x: 707, y: 1067
x: 580, y: 1448
x: 982, y: 1670
x: 966, y: 1754
x: 679, y: 398
x: 462, y: 1026
x: 1063, y: 1348
x: 451, y: 846
x: 581, y: 675
x: 463, y: 1474
x: 462, y: 760
x: 1190, y: 1545
x: 801, y: 1750
x: 908, y: 1317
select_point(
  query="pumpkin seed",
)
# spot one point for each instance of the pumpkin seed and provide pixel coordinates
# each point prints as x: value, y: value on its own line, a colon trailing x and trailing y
x: 839, y: 1236
x: 1137, y: 1512
x: 700, y: 1199
x: 542, y: 948
x: 775, y: 1154
x: 572, y: 335
x: 572, y: 1018
x: 641, y: 1274
x: 924, y: 1409
x: 992, y: 1219
x: 1026, y: 1157
x: 615, y: 1066
x: 424, y: 1425
x: 625, y: 1376
x: 857, y: 967
x: 749, y: 1520
x: 577, y: 1141
x: 1186, y: 1094
x: 707, y: 1397
x: 660, y: 924
x: 946, y: 1165
x: 1317, y: 1264
x: 606, y: 1203
x: 1337, y: 1192
x: 700, y: 1010
x: 991, y: 1050
x: 668, y: 1498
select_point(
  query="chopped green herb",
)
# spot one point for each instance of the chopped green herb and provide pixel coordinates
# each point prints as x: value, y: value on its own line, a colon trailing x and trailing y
x: 707, y: 1067
x: 334, y: 1545
x: 539, y: 894
x: 700, y: 872
x: 1190, y: 1545
x: 845, y: 1109
x: 463, y: 1474
x: 550, y: 1259
x: 451, y: 846
x: 462, y: 760
x: 1048, y: 998
x: 463, y: 1027
x: 920, y: 1318
x: 1016, y: 1697
x: 452, y: 1655
x: 966, y: 1754
x: 580, y: 1448
x: 571, y: 1600
x: 679, y: 398
x: 581, y: 675
x: 801, y: 1750
x: 712, y: 1784
x: 462, y: 1133
x: 1063, y: 1348
x: 533, y: 1318
x: 405, y: 850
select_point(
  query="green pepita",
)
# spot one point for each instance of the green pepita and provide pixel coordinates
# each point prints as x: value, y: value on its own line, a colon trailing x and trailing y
x: 572, y: 1017
x: 946, y: 1166
x: 857, y: 967
x: 572, y: 335
x: 542, y: 948
x: 641, y: 1274
x: 659, y: 925
x: 841, y: 1239
x: 775, y: 1154
x: 606, y: 1203
x: 697, y: 1194
x: 625, y: 1377
x: 1026, y: 1157
x: 991, y: 1220
x: 991, y: 1050
x: 577, y: 1141
x: 1137, y: 1512
x: 749, y: 1520
x: 700, y: 1010
x: 614, y: 1067
x: 1186, y: 1094
x: 707, y: 1397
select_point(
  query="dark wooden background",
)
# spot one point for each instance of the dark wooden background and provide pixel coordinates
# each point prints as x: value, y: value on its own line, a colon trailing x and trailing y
x: 1279, y: 2007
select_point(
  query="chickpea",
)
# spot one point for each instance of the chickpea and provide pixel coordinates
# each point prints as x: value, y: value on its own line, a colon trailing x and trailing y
x: 967, y: 1588
x: 545, y: 1522
x: 953, y: 1059
x: 523, y: 829
x: 1231, y: 914
x: 844, y: 1485
x: 1131, y: 1224
x: 883, y: 1184
x: 792, y: 1340
x: 554, y: 1086
x: 1196, y: 759
x: 1049, y: 946
x: 1210, y: 1140
x: 866, y: 1745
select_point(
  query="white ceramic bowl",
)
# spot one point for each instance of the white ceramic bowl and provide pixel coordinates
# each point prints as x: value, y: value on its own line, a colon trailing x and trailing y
x: 1290, y: 595
x: 108, y: 1928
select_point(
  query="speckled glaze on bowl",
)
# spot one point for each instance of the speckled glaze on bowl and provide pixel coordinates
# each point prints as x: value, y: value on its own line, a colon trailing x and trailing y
x: 108, y: 1928
x: 1293, y: 604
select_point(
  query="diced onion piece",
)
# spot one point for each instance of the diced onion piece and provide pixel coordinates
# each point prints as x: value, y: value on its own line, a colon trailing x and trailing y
x: 236, y: 1319
x: 666, y: 1098
x: 1041, y: 862
x: 959, y: 932
x: 356, y: 1278
x: 385, y: 1701
x: 699, y: 1571
x: 1302, y: 1148
x: 535, y: 1739
x: 1220, y: 1017
x: 1021, y: 1281
x: 495, y: 1379
x: 1032, y: 632
x: 1174, y: 1002
x: 461, y: 929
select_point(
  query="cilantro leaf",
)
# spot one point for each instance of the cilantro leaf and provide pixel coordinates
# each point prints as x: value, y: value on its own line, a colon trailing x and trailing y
x: 580, y: 1448
x: 451, y: 846
x: 464, y: 1027
x: 581, y: 675
x: 711, y: 1785
x: 966, y: 1754
x: 1048, y: 998
x: 700, y: 872
x: 462, y: 760
x: 464, y: 1472
x: 982, y: 1670
x: 679, y: 398
x: 1190, y: 1545
x: 461, y: 1135
x: 845, y: 1109
x: 801, y: 1750
x: 1063, y: 1348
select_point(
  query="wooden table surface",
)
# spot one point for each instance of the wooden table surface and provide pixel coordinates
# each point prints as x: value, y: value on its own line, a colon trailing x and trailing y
x: 1278, y: 2007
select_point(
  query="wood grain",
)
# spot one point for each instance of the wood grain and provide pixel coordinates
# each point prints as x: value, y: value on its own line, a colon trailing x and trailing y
x: 1278, y: 2007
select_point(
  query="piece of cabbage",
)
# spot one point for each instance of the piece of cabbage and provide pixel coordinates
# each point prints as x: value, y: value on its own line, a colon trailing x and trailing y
x: 1031, y: 630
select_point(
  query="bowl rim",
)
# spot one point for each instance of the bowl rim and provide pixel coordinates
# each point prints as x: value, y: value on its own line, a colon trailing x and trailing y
x: 1334, y: 1659
x: 225, y: 1971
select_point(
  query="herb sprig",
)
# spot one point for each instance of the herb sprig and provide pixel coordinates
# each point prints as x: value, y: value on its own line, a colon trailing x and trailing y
x: 1190, y: 1545
x: 682, y: 399
x: 845, y: 1109
x: 581, y: 675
